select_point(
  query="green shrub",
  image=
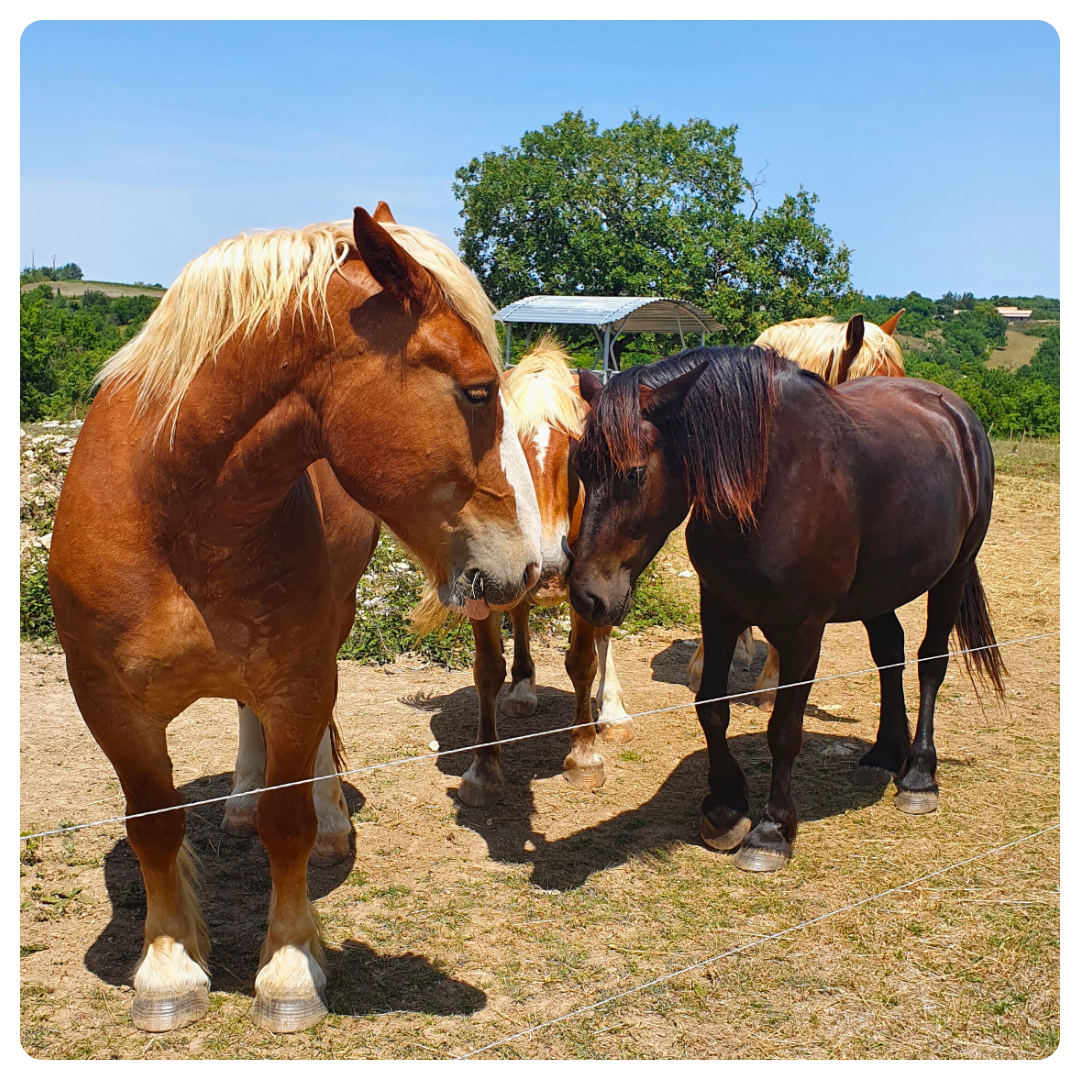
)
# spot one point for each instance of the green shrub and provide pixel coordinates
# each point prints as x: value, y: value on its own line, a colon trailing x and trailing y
x: 657, y: 603
x: 35, y: 604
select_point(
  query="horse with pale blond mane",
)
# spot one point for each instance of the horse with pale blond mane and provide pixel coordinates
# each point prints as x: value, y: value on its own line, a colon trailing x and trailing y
x: 221, y: 503
x: 838, y: 352
x: 543, y: 398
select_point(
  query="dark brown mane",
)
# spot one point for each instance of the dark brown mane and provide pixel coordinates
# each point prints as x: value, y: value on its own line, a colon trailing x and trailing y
x: 717, y: 440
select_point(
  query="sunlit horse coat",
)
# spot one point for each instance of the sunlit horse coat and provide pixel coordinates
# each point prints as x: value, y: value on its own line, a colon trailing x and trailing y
x: 837, y: 352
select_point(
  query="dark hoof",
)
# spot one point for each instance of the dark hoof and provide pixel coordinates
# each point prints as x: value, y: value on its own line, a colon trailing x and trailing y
x: 288, y: 1015
x: 723, y: 839
x: 588, y: 778
x: 871, y: 776
x: 617, y: 732
x: 473, y: 795
x: 764, y: 851
x: 169, y: 1013
x: 916, y: 802
x: 330, y: 849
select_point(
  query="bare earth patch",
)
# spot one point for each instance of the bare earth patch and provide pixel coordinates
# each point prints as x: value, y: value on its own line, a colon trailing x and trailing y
x: 451, y: 927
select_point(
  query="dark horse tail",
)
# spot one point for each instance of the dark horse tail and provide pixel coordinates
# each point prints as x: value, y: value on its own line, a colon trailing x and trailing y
x: 975, y: 633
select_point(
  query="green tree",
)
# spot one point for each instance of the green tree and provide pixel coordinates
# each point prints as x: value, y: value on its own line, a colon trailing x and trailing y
x: 645, y: 209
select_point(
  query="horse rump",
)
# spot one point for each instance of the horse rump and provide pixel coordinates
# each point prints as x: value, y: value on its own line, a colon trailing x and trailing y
x: 976, y: 633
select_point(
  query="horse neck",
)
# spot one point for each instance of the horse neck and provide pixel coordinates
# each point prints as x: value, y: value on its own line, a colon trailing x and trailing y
x: 246, y: 430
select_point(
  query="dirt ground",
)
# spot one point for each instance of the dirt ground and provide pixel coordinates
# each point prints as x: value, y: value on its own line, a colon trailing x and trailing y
x: 451, y: 927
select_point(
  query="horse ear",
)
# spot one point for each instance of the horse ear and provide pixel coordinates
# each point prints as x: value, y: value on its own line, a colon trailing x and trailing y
x: 388, y: 262
x: 383, y: 214
x: 889, y: 325
x: 588, y: 385
x: 853, y: 341
x: 656, y: 401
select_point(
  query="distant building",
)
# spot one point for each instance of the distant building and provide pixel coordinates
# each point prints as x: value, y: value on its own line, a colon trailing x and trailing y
x: 1014, y: 314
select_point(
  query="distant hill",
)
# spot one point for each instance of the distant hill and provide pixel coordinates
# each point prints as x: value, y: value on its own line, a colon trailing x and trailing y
x: 109, y: 288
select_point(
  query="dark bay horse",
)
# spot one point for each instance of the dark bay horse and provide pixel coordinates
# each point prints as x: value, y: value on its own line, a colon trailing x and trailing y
x: 216, y: 515
x: 808, y: 505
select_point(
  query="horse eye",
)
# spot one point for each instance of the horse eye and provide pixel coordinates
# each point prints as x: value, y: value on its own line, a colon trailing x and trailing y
x: 478, y: 395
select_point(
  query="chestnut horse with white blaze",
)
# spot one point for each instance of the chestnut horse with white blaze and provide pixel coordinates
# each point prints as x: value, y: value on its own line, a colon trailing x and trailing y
x: 542, y: 396
x: 837, y: 352
x: 207, y: 545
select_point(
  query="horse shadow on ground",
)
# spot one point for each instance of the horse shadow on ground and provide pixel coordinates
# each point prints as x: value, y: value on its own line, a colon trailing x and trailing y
x: 235, y: 880
x: 821, y: 780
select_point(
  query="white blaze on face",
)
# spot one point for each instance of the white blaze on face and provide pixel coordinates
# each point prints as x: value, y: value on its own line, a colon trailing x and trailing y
x: 540, y: 441
x: 516, y: 468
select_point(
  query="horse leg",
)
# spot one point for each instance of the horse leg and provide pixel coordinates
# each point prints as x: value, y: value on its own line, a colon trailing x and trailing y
x: 613, y: 725
x: 335, y: 826
x: 482, y: 784
x: 241, y: 808
x: 768, y: 845
x: 520, y: 700
x: 725, y: 810
x: 171, y: 982
x: 583, y: 767
x: 917, y: 789
x: 885, y: 758
x: 290, y: 982
x: 769, y: 679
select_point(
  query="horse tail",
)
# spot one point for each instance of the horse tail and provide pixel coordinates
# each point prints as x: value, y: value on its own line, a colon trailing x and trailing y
x: 336, y: 748
x: 976, y: 634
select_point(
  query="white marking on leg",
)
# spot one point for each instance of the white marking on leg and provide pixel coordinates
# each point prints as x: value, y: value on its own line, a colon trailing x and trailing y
x: 516, y: 468
x: 334, y: 824
x: 609, y: 694
x: 292, y: 973
x: 240, y: 812
x: 695, y: 668
x: 166, y: 970
x: 744, y: 649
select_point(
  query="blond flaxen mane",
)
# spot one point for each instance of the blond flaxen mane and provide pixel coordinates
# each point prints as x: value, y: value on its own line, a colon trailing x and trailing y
x: 241, y: 282
x: 816, y: 344
x: 541, y: 389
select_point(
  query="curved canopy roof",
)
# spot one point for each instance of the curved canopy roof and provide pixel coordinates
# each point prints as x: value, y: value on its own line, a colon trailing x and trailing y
x: 626, y: 314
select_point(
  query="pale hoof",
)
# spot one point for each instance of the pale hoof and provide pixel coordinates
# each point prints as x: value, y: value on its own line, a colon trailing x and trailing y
x: 618, y: 732
x: 474, y: 795
x: 869, y: 776
x: 519, y: 707
x: 587, y: 778
x: 916, y: 802
x: 723, y: 841
x: 169, y: 1012
x: 330, y: 849
x: 241, y: 823
x: 287, y: 1015
x: 766, y: 700
x: 756, y: 860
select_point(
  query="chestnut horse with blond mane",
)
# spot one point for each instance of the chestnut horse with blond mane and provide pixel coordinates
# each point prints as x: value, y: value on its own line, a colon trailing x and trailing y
x: 838, y: 352
x: 219, y: 510
x: 543, y: 397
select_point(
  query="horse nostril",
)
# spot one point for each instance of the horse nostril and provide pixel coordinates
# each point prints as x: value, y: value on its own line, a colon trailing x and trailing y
x: 532, y: 575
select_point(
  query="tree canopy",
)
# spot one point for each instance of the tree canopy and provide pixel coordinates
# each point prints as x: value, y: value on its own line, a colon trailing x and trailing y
x: 645, y: 209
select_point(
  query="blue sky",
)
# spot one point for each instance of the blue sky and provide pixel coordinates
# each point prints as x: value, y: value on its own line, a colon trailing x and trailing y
x: 933, y: 146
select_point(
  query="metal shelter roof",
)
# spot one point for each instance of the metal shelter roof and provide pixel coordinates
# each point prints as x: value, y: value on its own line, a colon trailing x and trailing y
x: 629, y: 314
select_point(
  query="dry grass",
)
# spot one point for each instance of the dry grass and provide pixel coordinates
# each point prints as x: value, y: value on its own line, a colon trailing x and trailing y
x: 452, y: 927
x: 1018, y: 350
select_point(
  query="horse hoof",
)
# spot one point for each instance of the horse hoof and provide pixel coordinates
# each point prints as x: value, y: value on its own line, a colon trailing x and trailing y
x: 723, y: 839
x: 473, y: 795
x: 519, y: 706
x: 618, y: 732
x: 153, y: 1013
x: 330, y: 849
x: 757, y: 860
x: 288, y: 1014
x: 916, y: 802
x: 871, y: 776
x: 240, y: 823
x: 766, y: 701
x: 586, y: 778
